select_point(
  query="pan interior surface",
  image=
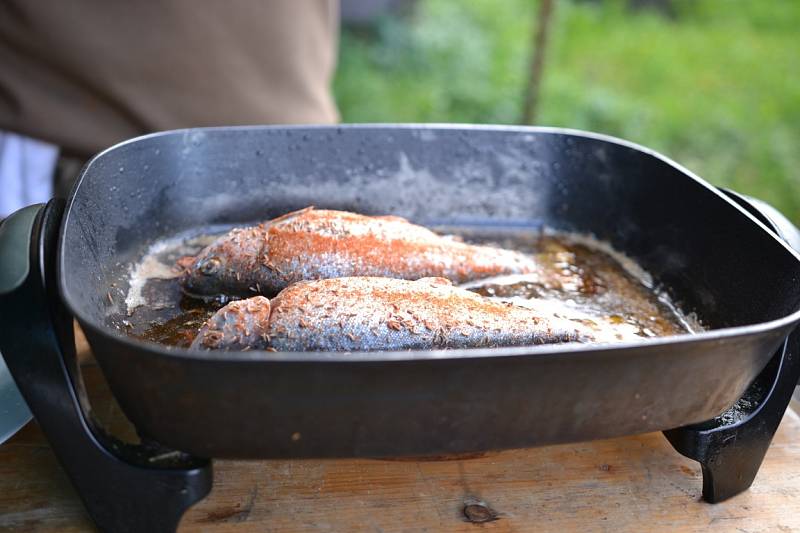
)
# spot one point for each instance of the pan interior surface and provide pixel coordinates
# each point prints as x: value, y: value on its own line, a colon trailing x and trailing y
x: 579, y: 280
x: 711, y: 258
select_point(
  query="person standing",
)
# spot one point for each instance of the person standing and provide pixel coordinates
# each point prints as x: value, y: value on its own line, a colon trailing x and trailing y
x: 79, y: 76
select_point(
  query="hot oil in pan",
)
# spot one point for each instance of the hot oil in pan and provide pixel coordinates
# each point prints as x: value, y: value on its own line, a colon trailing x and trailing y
x: 581, y: 280
x: 157, y: 309
x: 586, y: 281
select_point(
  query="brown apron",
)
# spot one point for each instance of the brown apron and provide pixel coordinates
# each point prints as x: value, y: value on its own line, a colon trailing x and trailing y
x: 86, y: 74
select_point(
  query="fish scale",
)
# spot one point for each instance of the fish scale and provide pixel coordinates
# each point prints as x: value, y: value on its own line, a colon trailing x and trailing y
x: 375, y: 313
x: 316, y: 244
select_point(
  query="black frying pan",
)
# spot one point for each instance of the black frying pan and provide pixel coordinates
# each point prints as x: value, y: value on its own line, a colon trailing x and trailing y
x: 712, y: 257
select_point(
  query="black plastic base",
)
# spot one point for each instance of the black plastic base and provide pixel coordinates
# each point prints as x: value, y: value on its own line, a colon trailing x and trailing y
x: 125, y: 488
x: 731, y: 447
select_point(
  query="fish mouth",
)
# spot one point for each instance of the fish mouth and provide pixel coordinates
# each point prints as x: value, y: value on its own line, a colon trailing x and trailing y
x: 187, y: 279
x: 214, y: 298
x: 200, y: 285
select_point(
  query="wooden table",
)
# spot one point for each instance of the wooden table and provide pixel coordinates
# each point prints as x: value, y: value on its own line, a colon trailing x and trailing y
x: 627, y: 484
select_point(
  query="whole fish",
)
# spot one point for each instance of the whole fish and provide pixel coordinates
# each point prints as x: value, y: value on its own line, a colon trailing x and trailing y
x: 318, y: 244
x: 372, y: 313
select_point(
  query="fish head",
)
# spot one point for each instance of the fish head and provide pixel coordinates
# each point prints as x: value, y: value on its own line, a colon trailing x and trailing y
x: 206, y: 274
x: 228, y: 267
x: 240, y: 325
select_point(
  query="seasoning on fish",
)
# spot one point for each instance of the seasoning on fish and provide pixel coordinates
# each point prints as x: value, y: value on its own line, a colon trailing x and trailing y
x: 373, y: 313
x: 314, y: 244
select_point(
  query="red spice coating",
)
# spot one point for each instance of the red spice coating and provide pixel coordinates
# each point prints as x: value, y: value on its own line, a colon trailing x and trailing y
x: 371, y: 313
x: 318, y: 244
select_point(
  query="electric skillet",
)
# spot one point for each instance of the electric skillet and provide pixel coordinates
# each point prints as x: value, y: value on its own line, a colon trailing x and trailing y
x: 707, y: 249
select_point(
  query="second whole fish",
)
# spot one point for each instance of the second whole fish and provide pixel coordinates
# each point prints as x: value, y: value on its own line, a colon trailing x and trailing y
x: 370, y: 314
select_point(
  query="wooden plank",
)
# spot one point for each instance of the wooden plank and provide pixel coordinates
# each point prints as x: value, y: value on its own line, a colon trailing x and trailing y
x: 627, y: 484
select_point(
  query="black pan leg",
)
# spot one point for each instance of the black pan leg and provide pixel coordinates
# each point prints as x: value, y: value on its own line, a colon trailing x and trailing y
x: 731, y: 447
x: 124, y: 487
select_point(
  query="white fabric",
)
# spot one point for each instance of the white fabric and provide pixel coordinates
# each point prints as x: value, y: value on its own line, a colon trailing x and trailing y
x: 26, y: 171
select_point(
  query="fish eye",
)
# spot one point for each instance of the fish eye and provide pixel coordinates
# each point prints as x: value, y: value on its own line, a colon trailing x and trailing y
x: 209, y: 266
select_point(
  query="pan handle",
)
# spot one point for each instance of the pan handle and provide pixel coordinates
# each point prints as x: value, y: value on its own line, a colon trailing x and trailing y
x: 124, y: 487
x: 771, y: 217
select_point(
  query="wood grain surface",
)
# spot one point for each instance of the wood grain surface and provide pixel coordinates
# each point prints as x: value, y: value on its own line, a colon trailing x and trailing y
x: 627, y: 484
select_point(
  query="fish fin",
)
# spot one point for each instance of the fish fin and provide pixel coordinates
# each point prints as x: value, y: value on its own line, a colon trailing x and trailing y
x: 391, y: 218
x: 291, y: 215
x: 437, y: 282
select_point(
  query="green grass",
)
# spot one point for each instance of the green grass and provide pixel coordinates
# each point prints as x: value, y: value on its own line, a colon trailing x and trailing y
x: 716, y: 88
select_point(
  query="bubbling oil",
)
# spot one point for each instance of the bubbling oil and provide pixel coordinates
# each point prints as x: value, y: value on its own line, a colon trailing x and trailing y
x: 581, y: 279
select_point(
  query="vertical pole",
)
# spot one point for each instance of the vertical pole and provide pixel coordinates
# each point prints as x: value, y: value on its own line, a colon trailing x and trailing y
x: 540, y: 38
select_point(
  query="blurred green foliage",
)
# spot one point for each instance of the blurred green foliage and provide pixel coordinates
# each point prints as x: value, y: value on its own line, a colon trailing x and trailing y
x: 716, y: 86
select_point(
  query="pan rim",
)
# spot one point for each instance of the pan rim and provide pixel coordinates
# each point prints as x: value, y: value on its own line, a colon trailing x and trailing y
x: 729, y: 334
x: 153, y: 348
